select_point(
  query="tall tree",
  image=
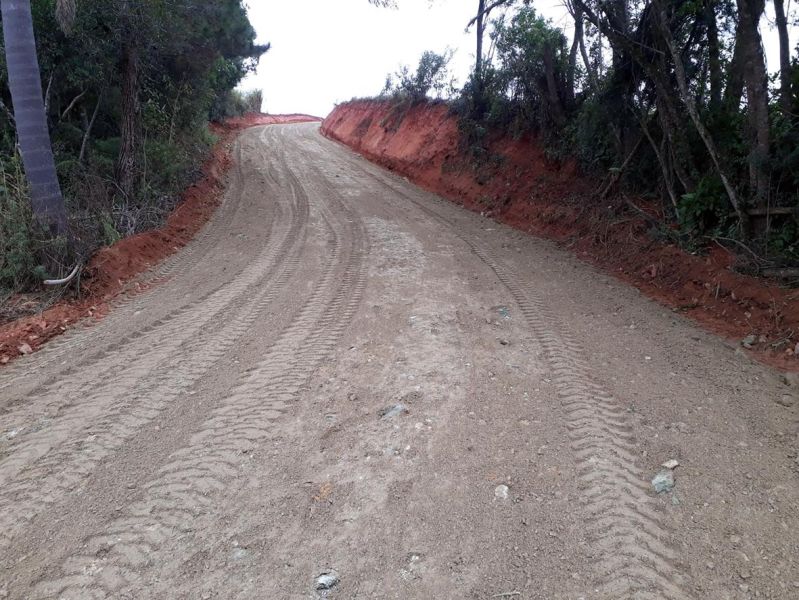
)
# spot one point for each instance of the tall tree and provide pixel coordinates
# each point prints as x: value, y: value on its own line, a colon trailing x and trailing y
x: 755, y: 78
x: 25, y: 85
x: 480, y: 20
x: 129, y: 67
x: 785, y: 55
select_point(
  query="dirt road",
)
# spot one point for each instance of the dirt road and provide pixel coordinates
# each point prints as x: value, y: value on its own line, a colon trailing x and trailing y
x: 344, y: 375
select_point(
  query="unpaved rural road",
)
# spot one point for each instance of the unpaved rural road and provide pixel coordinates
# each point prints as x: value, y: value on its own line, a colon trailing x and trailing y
x: 225, y: 434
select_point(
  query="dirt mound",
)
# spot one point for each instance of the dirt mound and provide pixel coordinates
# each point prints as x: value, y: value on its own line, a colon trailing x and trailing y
x: 112, y: 270
x: 526, y: 190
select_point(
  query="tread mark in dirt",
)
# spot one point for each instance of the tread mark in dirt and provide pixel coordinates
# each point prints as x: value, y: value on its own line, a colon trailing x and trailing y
x: 79, y: 347
x: 132, y: 398
x: 632, y: 557
x: 120, y: 559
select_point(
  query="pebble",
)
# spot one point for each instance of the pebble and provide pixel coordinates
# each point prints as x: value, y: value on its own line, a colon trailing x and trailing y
x: 749, y: 341
x: 327, y: 580
x: 501, y: 492
x: 393, y: 411
x: 663, y: 481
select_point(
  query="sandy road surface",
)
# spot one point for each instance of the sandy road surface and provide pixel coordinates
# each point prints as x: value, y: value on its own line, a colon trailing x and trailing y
x: 225, y: 435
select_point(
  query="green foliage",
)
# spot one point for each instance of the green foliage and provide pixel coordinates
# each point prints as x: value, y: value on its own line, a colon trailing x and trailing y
x: 16, y: 229
x: 617, y: 96
x: 706, y: 211
x: 530, y: 50
x: 191, y: 56
x: 236, y: 103
x: 23, y: 248
x: 431, y: 78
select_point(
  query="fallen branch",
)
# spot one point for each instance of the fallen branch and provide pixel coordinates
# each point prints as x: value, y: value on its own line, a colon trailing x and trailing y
x: 66, y: 279
x: 616, y: 174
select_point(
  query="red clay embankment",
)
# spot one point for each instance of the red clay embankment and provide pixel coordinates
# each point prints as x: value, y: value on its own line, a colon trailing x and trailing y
x: 112, y: 271
x: 532, y: 193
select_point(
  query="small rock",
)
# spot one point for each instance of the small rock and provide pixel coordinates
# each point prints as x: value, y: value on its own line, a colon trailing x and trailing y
x: 745, y: 575
x: 239, y: 554
x: 743, y: 587
x: 327, y: 580
x: 786, y: 400
x: 25, y: 349
x: 501, y: 492
x: 394, y: 411
x: 4, y: 360
x: 504, y: 342
x: 749, y: 341
x: 670, y: 464
x: 663, y: 481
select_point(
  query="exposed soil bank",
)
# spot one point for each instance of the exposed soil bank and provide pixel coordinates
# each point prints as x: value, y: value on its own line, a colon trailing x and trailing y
x: 529, y: 192
x: 112, y: 271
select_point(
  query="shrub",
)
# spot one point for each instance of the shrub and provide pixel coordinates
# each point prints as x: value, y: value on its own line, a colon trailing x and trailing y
x: 431, y: 78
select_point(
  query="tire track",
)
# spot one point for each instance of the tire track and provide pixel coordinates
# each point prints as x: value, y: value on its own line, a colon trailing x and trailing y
x: 176, y: 323
x: 630, y: 546
x: 147, y: 389
x: 126, y: 557
x: 109, y: 335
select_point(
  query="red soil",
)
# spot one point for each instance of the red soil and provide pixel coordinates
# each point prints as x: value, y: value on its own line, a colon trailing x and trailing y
x: 531, y: 193
x: 111, y: 272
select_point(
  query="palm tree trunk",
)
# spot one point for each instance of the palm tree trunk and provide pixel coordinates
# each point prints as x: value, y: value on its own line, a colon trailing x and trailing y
x: 24, y: 79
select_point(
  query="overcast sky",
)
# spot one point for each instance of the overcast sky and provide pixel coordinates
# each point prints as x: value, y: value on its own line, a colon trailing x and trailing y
x: 328, y: 51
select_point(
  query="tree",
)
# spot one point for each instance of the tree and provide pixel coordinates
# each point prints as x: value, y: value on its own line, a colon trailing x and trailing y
x: 756, y: 81
x: 484, y: 10
x: 785, y: 55
x: 35, y: 147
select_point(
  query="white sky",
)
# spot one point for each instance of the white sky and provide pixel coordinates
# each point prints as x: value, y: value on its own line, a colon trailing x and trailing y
x: 328, y: 51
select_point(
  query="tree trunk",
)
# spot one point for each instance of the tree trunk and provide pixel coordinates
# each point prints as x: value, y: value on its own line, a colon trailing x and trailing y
x: 593, y: 77
x: 552, y: 86
x: 126, y: 166
x: 735, y: 77
x: 685, y: 94
x: 756, y: 81
x: 785, y: 55
x: 478, y: 63
x: 714, y: 54
x: 578, y: 35
x: 25, y: 83
x: 87, y: 134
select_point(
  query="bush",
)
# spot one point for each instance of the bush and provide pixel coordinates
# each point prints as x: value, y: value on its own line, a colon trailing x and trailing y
x: 24, y: 250
x: 236, y: 103
x: 431, y: 78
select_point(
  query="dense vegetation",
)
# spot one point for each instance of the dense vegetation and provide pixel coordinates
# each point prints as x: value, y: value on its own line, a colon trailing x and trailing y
x: 663, y: 98
x: 129, y: 89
